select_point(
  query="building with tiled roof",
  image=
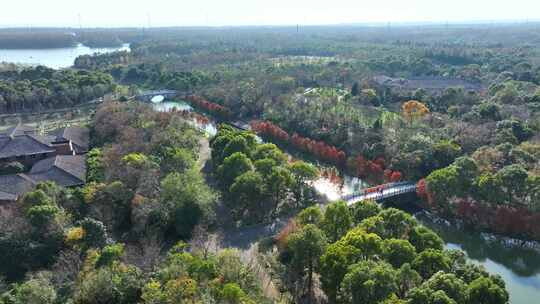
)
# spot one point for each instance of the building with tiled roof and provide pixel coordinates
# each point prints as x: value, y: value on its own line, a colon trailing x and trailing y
x: 57, y: 156
x: 14, y: 185
x: 78, y: 136
x: 64, y: 170
x: 22, y: 144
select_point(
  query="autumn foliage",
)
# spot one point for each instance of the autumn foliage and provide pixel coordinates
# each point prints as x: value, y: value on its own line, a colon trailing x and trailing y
x: 267, y: 128
x: 282, y: 237
x: 503, y: 219
x: 413, y: 110
x: 376, y: 169
x: 209, y: 106
x: 319, y: 149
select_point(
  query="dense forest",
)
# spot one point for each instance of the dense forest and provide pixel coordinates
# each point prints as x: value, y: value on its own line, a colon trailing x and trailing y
x: 410, y: 102
x: 455, y: 109
x: 41, y: 88
x: 51, y: 38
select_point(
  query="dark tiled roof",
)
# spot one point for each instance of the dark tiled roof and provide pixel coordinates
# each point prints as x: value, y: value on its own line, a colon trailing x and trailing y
x: 4, y: 196
x: 24, y: 145
x: 18, y: 130
x: 79, y: 137
x: 14, y: 185
x: 65, y: 170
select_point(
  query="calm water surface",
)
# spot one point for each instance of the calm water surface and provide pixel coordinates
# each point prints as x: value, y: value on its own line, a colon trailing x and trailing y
x: 53, y: 58
x: 166, y: 106
x: 519, y: 267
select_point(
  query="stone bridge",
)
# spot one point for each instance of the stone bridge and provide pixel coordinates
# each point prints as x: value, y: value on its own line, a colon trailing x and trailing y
x: 148, y: 95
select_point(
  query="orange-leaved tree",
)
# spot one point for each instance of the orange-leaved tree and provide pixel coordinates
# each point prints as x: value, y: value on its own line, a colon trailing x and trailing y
x: 413, y: 110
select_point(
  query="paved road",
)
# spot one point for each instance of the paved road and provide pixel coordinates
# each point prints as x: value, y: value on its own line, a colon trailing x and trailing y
x: 245, y: 236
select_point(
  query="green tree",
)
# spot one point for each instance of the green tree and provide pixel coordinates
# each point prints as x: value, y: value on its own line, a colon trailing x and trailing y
x: 398, y: 252
x: 119, y: 284
x: 95, y: 233
x: 514, y: 181
x: 264, y: 166
x: 177, y: 160
x: 40, y: 216
x: 279, y: 183
x: 444, y: 153
x: 188, y: 200
x: 237, y: 144
x: 421, y: 295
x: 249, y: 189
x: 269, y: 151
x: 443, y: 184
x: 429, y: 261
x: 407, y: 278
x: 95, y: 167
x: 181, y: 290
x: 337, y: 220
x: 397, y: 224
x: 232, y: 293
x: 369, y: 282
x: 423, y: 238
x: 333, y: 266
x: 452, y: 286
x: 37, y: 290
x: 484, y: 291
x: 36, y: 198
x: 232, y: 167
x: 364, y: 209
x: 110, y: 254
x: 367, y: 245
x: 306, y: 246
x: 152, y: 293
x: 489, y: 188
x: 302, y: 173
x: 310, y: 215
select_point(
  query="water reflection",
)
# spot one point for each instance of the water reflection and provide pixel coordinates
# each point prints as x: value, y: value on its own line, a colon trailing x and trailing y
x: 53, y: 58
x: 207, y: 126
x: 518, y: 266
x: 334, y: 189
x: 523, y: 261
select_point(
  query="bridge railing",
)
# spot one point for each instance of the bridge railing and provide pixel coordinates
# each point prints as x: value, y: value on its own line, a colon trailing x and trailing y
x: 398, y: 189
x: 385, y: 187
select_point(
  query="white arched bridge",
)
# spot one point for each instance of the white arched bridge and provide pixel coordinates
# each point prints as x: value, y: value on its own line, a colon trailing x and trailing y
x: 148, y: 95
x: 382, y: 192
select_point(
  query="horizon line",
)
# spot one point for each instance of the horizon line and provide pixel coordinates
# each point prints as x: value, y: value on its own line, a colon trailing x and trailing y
x: 369, y: 24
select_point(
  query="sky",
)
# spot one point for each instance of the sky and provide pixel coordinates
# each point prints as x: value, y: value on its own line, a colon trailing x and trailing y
x: 118, y: 13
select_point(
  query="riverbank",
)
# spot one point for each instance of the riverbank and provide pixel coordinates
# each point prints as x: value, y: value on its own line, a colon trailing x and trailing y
x: 519, y: 266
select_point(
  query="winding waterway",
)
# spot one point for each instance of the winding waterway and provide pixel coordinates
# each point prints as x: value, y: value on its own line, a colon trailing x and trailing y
x: 54, y: 58
x: 518, y: 266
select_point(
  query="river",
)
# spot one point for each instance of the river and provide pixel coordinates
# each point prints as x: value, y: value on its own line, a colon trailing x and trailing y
x: 54, y: 58
x: 518, y: 266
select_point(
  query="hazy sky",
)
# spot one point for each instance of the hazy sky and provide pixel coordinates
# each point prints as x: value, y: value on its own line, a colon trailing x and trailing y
x: 256, y: 12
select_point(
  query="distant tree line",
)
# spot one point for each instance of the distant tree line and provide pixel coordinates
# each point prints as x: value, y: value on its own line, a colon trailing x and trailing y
x: 39, y: 88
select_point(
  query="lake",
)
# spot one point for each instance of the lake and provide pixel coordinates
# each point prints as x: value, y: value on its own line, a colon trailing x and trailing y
x: 53, y: 58
x: 519, y: 267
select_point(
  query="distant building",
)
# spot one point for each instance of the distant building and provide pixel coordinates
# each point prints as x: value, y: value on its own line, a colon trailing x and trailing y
x: 57, y: 156
x: 429, y: 83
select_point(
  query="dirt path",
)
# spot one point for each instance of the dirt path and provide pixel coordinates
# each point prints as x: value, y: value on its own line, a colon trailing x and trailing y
x: 204, y: 151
